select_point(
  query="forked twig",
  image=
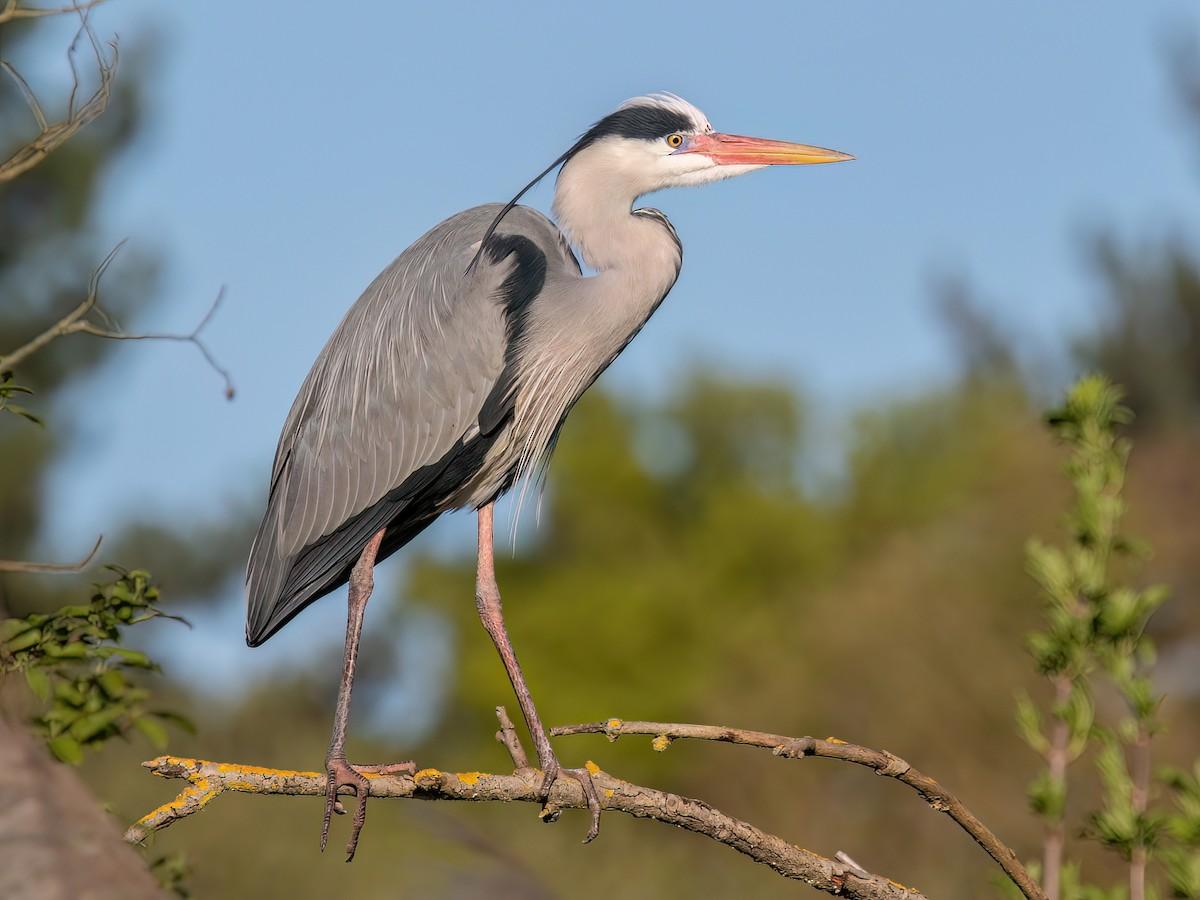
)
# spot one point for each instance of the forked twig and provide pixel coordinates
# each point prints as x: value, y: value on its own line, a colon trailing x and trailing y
x: 77, y: 322
x: 52, y: 135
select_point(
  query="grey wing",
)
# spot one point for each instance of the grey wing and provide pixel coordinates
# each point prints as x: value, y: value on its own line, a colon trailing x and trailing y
x: 394, y: 394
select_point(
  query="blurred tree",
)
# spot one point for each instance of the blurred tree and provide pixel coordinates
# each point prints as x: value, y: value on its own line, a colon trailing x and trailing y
x: 49, y: 249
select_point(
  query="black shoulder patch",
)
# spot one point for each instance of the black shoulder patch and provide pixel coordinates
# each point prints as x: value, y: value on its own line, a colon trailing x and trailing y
x: 517, y: 293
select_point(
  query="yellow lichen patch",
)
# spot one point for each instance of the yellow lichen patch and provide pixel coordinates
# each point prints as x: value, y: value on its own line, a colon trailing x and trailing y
x: 235, y: 769
x: 614, y: 724
x: 470, y: 777
x: 592, y: 768
x: 608, y: 792
x: 660, y: 743
x: 199, y: 794
x: 832, y: 740
x: 427, y: 775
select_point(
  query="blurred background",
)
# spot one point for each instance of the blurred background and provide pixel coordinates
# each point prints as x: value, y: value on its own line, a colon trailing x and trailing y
x: 797, y: 503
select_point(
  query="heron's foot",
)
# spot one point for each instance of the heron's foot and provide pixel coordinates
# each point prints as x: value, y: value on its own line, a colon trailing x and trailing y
x: 551, y: 772
x: 341, y: 777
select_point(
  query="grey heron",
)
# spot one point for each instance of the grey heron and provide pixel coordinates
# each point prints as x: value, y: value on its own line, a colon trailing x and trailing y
x: 450, y: 377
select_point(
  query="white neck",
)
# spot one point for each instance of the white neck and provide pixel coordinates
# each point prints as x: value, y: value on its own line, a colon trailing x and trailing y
x: 593, y: 203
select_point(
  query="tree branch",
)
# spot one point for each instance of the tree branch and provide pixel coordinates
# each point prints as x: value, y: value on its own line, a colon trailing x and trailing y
x: 52, y: 135
x: 12, y: 10
x: 77, y: 322
x: 12, y: 565
x: 208, y: 780
x: 881, y: 761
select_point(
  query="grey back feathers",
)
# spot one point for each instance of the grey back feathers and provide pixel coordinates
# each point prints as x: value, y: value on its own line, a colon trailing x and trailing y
x: 394, y: 397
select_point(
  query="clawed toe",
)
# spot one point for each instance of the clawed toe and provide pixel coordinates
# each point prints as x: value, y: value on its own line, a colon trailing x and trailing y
x: 340, y: 774
x: 550, y: 814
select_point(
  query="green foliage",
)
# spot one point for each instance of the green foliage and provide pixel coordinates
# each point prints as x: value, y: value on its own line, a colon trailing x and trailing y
x: 1071, y: 886
x: 1120, y: 824
x: 7, y: 390
x: 83, y: 678
x: 1181, y: 857
x: 1096, y: 624
x: 172, y: 871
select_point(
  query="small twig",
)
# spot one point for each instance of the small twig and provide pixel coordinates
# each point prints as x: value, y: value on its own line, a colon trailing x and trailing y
x: 1140, y: 801
x: 208, y: 780
x: 52, y: 135
x: 1057, y: 757
x: 12, y: 11
x: 192, y: 337
x: 7, y: 565
x: 843, y: 857
x: 507, y: 735
x: 77, y: 322
x: 881, y: 761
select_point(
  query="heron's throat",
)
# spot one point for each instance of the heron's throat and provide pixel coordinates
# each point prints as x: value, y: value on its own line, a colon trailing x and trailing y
x: 594, y: 208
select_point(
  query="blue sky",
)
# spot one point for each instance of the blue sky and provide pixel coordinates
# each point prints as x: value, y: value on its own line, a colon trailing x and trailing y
x: 294, y: 149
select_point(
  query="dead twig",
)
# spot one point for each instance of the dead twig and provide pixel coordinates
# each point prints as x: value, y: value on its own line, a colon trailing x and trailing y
x: 884, y: 763
x: 8, y: 565
x: 208, y: 780
x: 13, y: 10
x: 52, y: 135
x: 507, y: 735
x: 77, y: 322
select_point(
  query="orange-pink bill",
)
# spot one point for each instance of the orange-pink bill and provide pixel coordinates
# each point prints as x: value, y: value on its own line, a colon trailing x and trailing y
x: 739, y: 150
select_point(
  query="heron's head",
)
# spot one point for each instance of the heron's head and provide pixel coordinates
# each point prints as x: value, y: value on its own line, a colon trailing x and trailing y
x: 660, y: 141
x: 649, y: 143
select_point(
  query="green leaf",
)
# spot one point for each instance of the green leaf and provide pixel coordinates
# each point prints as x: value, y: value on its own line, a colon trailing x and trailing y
x: 112, y: 683
x: 130, y: 658
x: 39, y: 683
x: 178, y: 720
x: 89, y: 726
x: 1029, y: 724
x: 10, y: 628
x: 24, y: 640
x: 67, y: 749
x: 153, y: 730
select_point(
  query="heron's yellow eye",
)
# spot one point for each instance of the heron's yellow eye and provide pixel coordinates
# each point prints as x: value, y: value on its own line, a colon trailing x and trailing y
x: 674, y: 140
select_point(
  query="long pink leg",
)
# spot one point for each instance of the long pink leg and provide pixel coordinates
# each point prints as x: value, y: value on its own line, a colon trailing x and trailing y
x: 487, y: 600
x: 341, y: 774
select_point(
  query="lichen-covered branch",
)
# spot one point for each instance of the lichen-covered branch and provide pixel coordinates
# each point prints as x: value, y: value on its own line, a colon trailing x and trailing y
x: 884, y: 763
x: 208, y: 780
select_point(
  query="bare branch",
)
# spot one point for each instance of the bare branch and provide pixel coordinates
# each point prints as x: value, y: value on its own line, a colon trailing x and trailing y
x: 881, y: 761
x: 67, y: 324
x: 12, y: 11
x: 50, y: 568
x: 77, y: 322
x: 507, y: 735
x: 192, y: 337
x: 52, y: 135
